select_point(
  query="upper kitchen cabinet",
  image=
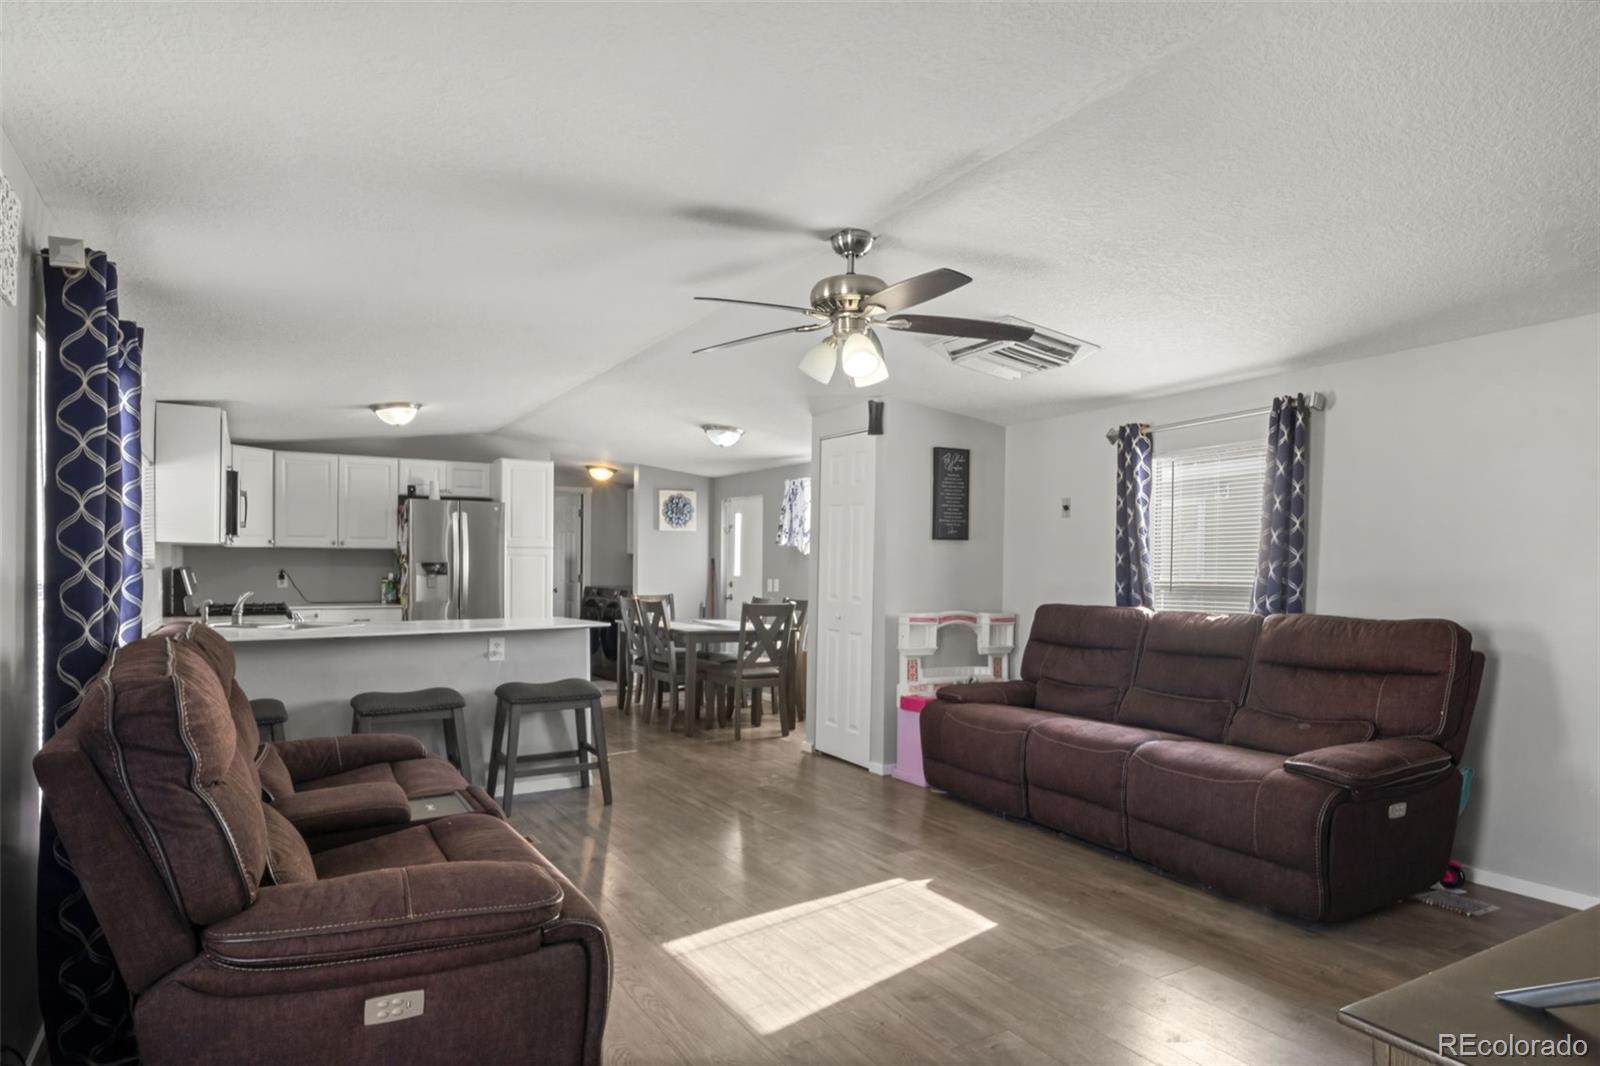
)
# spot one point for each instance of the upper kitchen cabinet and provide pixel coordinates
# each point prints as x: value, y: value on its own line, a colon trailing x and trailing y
x: 192, y: 455
x: 252, y: 525
x: 306, y: 511
x: 467, y: 479
x: 368, y: 489
x: 417, y: 474
x: 527, y: 488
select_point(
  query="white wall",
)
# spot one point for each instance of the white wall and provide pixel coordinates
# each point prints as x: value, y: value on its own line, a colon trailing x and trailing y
x: 610, y: 562
x: 791, y: 569
x: 1457, y: 481
x: 19, y: 707
x: 912, y: 571
x: 675, y: 562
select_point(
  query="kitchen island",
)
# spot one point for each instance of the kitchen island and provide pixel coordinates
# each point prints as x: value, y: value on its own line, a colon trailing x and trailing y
x: 314, y: 668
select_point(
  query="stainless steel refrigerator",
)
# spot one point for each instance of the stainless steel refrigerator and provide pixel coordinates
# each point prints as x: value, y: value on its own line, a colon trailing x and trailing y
x: 453, y: 559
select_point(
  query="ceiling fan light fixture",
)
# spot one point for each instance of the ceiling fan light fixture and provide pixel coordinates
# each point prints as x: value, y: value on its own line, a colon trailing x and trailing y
x: 820, y: 361
x: 396, y: 414
x: 723, y: 436
x: 600, y: 473
x: 860, y: 355
x: 880, y: 374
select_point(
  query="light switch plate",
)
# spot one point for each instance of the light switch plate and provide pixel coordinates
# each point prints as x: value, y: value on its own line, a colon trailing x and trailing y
x: 381, y: 1010
x: 497, y: 649
x: 1066, y: 507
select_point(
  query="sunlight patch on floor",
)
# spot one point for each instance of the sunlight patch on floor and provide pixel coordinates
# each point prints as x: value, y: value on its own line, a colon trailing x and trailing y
x: 779, y: 967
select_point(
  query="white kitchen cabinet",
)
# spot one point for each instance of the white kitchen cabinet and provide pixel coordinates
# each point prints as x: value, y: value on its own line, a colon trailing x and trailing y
x: 192, y: 454
x: 306, y: 499
x: 373, y: 613
x: 253, y: 523
x: 467, y: 479
x: 527, y: 488
x: 530, y: 583
x: 368, y: 491
x: 415, y: 474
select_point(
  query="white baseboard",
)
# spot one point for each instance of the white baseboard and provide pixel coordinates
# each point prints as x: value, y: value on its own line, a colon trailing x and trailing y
x: 1523, y: 887
x: 882, y: 769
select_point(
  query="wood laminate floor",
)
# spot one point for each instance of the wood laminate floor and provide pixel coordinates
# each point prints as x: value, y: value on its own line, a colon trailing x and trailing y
x: 766, y: 905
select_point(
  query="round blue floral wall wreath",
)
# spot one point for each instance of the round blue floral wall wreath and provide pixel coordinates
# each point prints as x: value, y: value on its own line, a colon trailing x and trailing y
x: 677, y: 511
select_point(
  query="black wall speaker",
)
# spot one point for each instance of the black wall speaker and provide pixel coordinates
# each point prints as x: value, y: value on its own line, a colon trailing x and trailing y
x: 874, y: 418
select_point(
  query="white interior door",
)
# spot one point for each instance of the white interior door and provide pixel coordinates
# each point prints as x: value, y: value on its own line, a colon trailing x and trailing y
x: 568, y: 553
x: 843, y: 705
x: 742, y: 562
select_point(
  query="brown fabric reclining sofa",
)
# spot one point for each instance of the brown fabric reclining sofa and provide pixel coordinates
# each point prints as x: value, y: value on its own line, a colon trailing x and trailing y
x: 1303, y: 762
x: 241, y: 945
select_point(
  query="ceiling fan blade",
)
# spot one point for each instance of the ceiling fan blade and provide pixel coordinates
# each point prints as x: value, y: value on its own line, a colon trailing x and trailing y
x: 919, y: 289
x: 747, y: 219
x: 958, y: 327
x: 810, y: 327
x: 812, y: 311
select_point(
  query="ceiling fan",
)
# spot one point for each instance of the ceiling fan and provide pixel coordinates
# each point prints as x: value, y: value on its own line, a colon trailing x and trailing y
x: 851, y: 305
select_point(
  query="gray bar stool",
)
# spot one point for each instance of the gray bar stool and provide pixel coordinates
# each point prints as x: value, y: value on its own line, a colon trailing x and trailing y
x: 442, y: 705
x: 270, y: 715
x: 516, y: 698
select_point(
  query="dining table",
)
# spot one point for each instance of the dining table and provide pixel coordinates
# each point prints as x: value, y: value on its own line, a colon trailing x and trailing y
x: 695, y: 634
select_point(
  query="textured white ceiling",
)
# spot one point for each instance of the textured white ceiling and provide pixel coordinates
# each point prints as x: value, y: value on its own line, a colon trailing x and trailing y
x: 500, y: 210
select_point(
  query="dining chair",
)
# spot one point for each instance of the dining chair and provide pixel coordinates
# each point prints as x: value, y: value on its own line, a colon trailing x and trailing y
x: 664, y: 661
x: 633, y: 658
x: 763, y: 663
x: 797, y: 651
x: 665, y: 598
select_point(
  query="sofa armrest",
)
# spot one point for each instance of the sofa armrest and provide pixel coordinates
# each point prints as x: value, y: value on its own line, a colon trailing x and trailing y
x: 1010, y: 693
x: 333, y: 810
x: 317, y: 757
x: 1372, y: 764
x: 381, y: 912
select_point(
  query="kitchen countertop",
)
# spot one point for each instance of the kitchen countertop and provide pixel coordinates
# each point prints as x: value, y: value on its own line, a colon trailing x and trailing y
x: 254, y: 633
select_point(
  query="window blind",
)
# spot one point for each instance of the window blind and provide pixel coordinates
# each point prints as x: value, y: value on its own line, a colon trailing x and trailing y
x: 1205, y: 525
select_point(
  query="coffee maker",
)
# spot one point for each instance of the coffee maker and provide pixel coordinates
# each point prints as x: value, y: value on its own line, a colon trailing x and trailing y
x: 178, y: 584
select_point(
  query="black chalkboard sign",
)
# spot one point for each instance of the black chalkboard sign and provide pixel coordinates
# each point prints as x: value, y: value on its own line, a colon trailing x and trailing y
x: 952, y: 493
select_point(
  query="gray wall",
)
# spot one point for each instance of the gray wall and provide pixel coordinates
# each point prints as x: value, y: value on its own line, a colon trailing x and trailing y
x: 405, y: 444
x: 610, y: 562
x: 673, y: 562
x: 1455, y: 481
x: 326, y: 574
x: 792, y: 569
x: 911, y: 570
x: 19, y: 706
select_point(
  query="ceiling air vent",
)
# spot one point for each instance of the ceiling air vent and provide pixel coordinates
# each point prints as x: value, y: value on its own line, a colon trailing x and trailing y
x: 1012, y: 360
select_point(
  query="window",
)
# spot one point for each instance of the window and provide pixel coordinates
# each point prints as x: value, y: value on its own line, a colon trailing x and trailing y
x: 1205, y: 525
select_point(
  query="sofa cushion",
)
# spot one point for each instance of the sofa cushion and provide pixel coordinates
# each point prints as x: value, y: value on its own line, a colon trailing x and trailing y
x: 1191, y: 672
x: 987, y: 738
x: 458, y: 838
x: 1082, y: 658
x: 1010, y: 693
x: 1077, y: 772
x: 1234, y: 798
x: 160, y: 732
x: 1264, y: 731
x: 1408, y: 678
x: 416, y: 777
x: 288, y: 858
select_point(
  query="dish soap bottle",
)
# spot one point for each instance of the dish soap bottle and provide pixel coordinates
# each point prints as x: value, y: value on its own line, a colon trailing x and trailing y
x: 389, y: 593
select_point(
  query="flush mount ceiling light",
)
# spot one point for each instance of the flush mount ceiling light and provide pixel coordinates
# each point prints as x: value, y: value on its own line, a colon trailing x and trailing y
x: 601, y: 473
x: 723, y: 436
x: 396, y: 414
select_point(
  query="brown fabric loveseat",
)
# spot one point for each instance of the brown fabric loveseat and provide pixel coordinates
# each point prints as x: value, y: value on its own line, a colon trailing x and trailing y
x: 241, y: 945
x: 1303, y: 762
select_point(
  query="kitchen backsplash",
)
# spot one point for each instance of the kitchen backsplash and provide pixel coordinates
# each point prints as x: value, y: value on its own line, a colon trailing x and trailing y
x: 326, y: 574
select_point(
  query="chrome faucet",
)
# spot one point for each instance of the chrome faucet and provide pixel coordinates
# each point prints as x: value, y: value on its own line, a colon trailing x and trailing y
x: 238, y: 608
x: 205, y: 610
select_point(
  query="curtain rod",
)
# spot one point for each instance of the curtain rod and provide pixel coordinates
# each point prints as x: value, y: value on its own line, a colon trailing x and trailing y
x: 1315, y: 400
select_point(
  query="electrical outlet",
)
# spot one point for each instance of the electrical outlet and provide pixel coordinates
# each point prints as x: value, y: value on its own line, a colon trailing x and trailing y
x: 497, y: 649
x: 283, y: 579
x: 1066, y: 507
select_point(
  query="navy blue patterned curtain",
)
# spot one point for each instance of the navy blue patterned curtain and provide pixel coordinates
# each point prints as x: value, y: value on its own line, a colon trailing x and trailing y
x: 1134, y: 585
x: 93, y: 589
x: 1280, y: 586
